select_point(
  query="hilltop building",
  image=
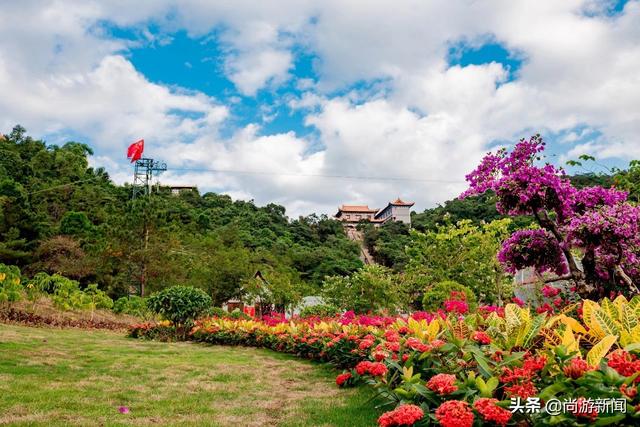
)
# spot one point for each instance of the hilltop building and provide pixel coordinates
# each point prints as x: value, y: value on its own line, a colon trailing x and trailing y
x: 397, y: 210
x: 176, y: 189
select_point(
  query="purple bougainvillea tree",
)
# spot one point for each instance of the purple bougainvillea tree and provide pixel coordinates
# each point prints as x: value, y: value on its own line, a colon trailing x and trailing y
x: 595, y: 225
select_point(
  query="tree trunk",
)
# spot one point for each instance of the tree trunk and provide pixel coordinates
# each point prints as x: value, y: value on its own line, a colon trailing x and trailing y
x: 143, y: 279
x: 627, y: 280
x: 583, y: 288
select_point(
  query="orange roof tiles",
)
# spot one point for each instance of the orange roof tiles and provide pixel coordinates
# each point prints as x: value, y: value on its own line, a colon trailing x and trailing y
x: 357, y: 208
x: 399, y: 202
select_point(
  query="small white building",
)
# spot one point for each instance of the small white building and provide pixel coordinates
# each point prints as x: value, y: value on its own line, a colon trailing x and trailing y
x: 398, y: 210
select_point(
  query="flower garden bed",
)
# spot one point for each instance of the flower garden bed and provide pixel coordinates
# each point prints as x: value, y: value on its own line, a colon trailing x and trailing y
x: 489, y: 368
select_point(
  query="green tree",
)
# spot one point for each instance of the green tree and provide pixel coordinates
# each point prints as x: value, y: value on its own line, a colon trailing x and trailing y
x: 387, y: 244
x: 75, y: 224
x: 464, y: 253
x: 629, y: 180
x: 436, y: 294
x: 281, y: 288
x: 372, y: 288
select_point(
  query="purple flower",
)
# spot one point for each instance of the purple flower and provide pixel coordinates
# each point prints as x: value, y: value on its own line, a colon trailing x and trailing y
x: 532, y: 248
x: 123, y: 409
x: 596, y: 221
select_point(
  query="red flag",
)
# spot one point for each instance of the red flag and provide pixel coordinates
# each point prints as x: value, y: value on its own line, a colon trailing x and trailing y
x: 134, y: 152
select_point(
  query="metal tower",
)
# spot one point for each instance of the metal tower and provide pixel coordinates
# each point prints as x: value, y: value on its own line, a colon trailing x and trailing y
x: 143, y: 175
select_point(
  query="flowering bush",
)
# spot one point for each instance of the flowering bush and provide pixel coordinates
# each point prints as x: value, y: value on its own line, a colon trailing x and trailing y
x: 536, y: 248
x: 597, y: 222
x: 490, y: 411
x: 454, y: 413
x: 404, y: 415
x: 442, y: 384
x: 450, y: 295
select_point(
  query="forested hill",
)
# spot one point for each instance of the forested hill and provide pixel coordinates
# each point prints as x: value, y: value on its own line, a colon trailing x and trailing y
x: 58, y: 215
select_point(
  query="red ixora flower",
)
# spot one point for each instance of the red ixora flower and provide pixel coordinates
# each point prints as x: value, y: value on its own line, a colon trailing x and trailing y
x: 404, y: 415
x: 392, y: 345
x: 456, y: 306
x: 481, y: 337
x: 545, y: 308
x: 523, y: 390
x: 442, y: 383
x: 550, y: 291
x: 343, y: 378
x: 577, y: 368
x: 377, y: 369
x: 373, y: 368
x: 454, y: 413
x: 365, y: 344
x: 380, y: 355
x: 363, y: 367
x: 491, y: 412
x: 392, y: 336
x: 415, y: 344
x: 533, y: 363
x: 624, y: 362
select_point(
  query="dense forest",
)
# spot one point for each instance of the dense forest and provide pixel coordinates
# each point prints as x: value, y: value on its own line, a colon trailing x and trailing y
x: 58, y: 215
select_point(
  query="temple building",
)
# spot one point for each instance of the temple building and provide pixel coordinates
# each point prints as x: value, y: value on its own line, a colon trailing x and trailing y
x: 397, y: 210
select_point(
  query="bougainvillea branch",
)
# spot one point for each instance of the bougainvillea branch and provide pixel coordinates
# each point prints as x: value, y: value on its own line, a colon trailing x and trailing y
x: 597, y: 224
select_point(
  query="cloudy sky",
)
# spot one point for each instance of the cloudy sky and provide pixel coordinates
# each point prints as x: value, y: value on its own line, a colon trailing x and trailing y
x: 295, y: 94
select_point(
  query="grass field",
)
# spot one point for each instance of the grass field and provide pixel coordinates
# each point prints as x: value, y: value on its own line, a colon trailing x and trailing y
x: 79, y: 377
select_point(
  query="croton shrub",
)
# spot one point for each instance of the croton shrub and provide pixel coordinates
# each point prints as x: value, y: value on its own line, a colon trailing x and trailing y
x: 489, y: 367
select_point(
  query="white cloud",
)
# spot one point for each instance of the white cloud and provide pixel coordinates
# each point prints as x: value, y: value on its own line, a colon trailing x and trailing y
x: 252, y: 70
x: 112, y: 104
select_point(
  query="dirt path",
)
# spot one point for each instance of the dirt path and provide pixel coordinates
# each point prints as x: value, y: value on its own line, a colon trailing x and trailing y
x: 357, y: 236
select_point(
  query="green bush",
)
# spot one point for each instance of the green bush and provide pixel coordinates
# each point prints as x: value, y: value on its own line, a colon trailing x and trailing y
x: 180, y: 304
x: 67, y: 294
x: 219, y: 312
x: 372, y: 288
x: 132, y: 305
x: 215, y: 312
x: 320, y: 310
x: 237, y: 314
x: 97, y: 298
x: 75, y: 223
x: 436, y: 295
x: 45, y: 283
x: 10, y: 288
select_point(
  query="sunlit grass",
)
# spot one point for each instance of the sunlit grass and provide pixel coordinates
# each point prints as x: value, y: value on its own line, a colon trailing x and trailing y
x: 78, y: 377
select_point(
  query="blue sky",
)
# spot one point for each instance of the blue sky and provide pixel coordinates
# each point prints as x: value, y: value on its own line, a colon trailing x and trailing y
x: 197, y: 63
x: 298, y: 90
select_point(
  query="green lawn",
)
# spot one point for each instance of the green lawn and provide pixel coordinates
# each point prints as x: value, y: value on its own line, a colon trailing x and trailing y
x: 79, y: 377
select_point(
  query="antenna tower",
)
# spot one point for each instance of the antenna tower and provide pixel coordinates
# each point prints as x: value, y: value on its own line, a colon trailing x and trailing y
x: 143, y: 175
